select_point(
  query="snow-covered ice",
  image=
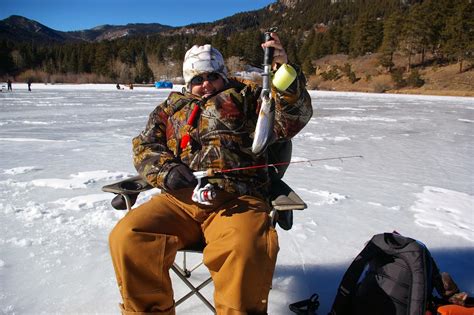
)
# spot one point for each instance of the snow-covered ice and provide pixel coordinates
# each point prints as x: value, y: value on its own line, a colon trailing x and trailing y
x: 60, y: 144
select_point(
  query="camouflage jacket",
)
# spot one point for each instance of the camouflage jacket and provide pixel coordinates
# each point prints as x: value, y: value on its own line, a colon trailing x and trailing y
x: 221, y: 135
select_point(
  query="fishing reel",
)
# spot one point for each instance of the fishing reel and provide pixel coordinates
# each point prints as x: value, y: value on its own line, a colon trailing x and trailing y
x: 203, y: 194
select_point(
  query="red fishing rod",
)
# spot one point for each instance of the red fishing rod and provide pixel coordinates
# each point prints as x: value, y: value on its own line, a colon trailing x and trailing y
x: 341, y: 158
x: 204, y: 194
x: 212, y: 172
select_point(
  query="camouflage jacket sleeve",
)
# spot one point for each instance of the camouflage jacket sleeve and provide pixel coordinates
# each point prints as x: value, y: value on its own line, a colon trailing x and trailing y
x: 151, y: 156
x: 293, y: 108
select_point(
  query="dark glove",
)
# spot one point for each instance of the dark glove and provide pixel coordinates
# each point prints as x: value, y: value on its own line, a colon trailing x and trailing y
x: 180, y: 177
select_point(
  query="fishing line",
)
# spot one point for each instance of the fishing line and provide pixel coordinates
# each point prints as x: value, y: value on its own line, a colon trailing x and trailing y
x: 341, y: 158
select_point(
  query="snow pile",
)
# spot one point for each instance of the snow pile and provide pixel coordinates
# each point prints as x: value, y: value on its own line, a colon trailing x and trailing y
x: 444, y: 209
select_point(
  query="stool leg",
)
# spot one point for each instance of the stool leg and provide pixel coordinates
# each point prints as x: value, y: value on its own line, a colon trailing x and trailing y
x: 194, y: 290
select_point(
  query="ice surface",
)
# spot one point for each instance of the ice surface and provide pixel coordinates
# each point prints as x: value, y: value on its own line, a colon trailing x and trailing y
x: 60, y: 144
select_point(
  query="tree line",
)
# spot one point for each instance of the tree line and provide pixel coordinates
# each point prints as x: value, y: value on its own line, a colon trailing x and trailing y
x: 440, y: 29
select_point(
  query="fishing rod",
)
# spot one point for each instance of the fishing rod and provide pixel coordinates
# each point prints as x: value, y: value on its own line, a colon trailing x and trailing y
x: 266, y: 115
x: 212, y: 172
x: 341, y: 158
x: 207, y: 193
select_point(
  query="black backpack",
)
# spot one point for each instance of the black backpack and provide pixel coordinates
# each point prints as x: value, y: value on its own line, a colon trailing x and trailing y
x: 399, y: 278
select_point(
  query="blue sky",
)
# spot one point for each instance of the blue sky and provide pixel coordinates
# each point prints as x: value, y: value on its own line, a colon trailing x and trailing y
x: 71, y: 15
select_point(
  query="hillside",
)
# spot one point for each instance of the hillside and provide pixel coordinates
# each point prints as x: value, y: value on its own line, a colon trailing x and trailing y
x: 111, y: 32
x: 371, y: 77
x: 382, y: 38
x: 19, y: 29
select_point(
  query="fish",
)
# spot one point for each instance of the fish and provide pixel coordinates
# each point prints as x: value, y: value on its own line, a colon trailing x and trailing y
x: 264, y: 128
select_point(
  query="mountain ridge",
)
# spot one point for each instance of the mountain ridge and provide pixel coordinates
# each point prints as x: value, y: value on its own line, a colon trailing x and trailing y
x: 20, y: 28
x: 233, y: 23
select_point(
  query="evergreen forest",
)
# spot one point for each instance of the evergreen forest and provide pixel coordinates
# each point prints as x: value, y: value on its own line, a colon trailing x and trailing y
x: 440, y: 31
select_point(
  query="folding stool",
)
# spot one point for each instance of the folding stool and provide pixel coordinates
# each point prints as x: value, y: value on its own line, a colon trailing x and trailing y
x: 127, y: 192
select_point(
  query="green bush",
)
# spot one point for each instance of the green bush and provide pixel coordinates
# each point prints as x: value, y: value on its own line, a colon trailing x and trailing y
x: 381, y: 88
x: 397, y: 77
x: 347, y: 70
x: 415, y: 79
x: 332, y: 74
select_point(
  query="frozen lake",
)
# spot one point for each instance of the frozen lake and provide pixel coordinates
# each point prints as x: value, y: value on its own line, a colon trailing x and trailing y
x: 60, y: 144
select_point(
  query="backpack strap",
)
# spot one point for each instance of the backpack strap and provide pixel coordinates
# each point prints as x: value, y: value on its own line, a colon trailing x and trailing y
x: 306, y: 307
x: 439, y: 281
x: 342, y: 302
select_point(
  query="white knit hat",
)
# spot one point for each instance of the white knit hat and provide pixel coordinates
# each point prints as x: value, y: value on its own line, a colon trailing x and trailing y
x: 202, y: 59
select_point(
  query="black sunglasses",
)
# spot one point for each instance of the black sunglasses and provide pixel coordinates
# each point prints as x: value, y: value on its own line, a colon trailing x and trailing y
x: 199, y: 79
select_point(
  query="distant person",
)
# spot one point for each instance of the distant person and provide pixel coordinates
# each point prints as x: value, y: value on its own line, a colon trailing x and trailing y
x: 130, y: 86
x: 9, y: 85
x: 118, y: 86
x: 29, y: 85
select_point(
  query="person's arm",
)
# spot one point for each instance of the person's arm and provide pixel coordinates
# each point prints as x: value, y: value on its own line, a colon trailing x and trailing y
x: 151, y: 156
x: 293, y: 108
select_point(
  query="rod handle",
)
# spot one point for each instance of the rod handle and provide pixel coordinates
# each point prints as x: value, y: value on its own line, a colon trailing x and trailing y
x: 268, y: 54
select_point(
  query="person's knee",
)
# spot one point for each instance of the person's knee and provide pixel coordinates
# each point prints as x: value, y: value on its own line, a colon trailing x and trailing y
x: 249, y: 244
x: 120, y: 238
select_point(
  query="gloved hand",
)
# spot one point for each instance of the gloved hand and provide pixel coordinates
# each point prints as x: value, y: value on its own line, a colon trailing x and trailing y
x: 180, y: 177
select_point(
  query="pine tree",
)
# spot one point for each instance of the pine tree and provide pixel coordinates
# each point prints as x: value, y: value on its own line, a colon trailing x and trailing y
x: 340, y: 38
x: 391, y: 32
x: 308, y: 67
x: 102, y: 59
x: 436, y: 12
x: 291, y: 48
x: 305, y: 51
x: 126, y: 55
x: 6, y: 61
x: 416, y: 33
x: 366, y: 36
x: 143, y: 71
x: 459, y: 33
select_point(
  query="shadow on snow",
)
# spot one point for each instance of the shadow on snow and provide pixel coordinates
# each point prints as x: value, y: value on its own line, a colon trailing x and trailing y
x: 324, y: 279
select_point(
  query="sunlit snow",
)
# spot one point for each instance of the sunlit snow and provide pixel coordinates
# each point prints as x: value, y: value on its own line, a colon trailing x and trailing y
x: 60, y: 144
